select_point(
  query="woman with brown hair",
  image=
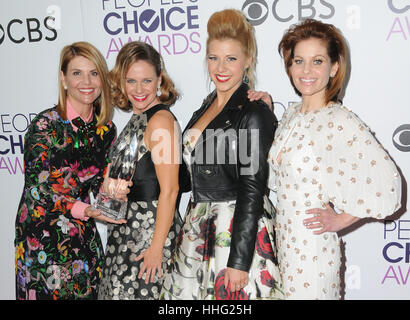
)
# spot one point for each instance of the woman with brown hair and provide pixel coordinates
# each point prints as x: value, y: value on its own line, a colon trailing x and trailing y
x: 138, y: 252
x: 225, y: 249
x: 58, y: 248
x: 324, y: 158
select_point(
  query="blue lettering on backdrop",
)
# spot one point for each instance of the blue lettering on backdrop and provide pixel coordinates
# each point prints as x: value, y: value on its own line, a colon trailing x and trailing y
x: 400, y: 28
x: 12, y: 128
x: 396, y: 252
x: 171, y: 29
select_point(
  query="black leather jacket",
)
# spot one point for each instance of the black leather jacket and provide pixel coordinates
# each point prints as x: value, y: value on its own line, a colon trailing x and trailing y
x: 230, y: 163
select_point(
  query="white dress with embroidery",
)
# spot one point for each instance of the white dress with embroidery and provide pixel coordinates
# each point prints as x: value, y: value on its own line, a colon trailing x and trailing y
x: 318, y: 157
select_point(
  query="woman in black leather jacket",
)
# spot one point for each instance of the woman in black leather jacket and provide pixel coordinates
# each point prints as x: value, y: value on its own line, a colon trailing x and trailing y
x: 225, y: 249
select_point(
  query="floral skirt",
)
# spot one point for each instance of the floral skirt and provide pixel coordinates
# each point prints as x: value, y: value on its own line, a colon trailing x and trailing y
x: 198, y: 266
x: 57, y: 259
x: 124, y: 244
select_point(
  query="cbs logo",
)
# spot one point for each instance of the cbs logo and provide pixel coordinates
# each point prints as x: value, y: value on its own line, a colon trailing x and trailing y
x: 17, y: 30
x: 257, y: 11
x: 401, y: 138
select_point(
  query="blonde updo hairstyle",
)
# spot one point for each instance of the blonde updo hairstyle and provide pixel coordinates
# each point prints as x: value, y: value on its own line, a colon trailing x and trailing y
x: 232, y: 24
x: 133, y: 52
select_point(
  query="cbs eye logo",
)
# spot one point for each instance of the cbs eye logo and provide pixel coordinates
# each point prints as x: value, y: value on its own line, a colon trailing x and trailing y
x: 2, y: 34
x: 401, y: 138
x: 256, y: 11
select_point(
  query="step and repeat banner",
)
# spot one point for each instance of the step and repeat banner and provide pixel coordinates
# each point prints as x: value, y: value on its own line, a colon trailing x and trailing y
x: 32, y: 33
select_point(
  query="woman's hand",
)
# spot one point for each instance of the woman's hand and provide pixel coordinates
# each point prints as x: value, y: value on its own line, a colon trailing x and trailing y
x: 235, y: 279
x: 327, y: 220
x: 117, y: 188
x: 167, y: 175
x: 151, y: 265
x: 96, y: 214
x: 261, y: 95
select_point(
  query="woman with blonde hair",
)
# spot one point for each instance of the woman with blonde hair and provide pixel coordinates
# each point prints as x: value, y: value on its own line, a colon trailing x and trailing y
x: 58, y: 248
x: 226, y: 249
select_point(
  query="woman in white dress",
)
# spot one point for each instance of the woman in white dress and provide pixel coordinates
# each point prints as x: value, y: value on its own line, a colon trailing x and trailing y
x: 326, y: 167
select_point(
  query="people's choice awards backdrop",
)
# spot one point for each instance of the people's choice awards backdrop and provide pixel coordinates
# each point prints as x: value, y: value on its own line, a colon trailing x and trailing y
x: 32, y: 33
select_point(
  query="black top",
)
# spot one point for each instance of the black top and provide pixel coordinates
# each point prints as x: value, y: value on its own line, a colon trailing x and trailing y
x: 145, y: 182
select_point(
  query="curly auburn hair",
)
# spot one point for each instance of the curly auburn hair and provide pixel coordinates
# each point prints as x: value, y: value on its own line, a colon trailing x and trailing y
x: 133, y: 52
x: 336, y: 49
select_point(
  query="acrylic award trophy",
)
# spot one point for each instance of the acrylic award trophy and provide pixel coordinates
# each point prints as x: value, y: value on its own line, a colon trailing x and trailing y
x: 122, y: 168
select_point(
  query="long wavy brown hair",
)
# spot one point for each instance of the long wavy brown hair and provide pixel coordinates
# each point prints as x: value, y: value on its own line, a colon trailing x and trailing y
x: 133, y: 52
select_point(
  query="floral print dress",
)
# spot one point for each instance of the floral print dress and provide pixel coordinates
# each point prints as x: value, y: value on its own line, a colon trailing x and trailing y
x: 58, y: 256
x: 197, y: 271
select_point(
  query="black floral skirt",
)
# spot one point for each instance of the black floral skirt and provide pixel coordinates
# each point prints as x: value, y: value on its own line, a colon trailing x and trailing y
x: 124, y: 244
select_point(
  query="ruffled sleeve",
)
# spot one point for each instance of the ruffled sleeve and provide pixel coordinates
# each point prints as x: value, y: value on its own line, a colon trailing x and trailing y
x: 358, y: 175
